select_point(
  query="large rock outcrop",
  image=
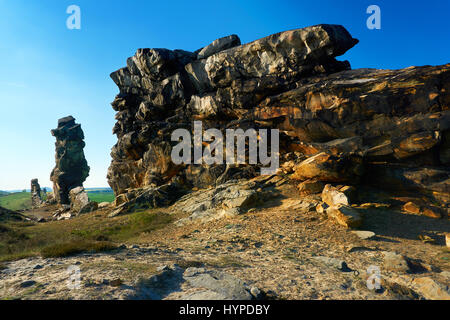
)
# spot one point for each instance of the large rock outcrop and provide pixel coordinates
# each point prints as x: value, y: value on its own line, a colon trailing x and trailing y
x: 161, y: 90
x: 379, y: 127
x: 71, y: 168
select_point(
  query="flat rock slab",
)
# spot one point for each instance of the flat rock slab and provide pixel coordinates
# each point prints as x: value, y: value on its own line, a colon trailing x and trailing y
x: 192, y: 284
x: 218, y: 285
x: 365, y: 235
x: 333, y: 262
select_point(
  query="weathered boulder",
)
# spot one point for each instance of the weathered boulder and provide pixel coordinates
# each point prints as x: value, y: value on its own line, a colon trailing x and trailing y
x: 431, y: 289
x: 50, y: 198
x: 329, y: 168
x: 416, y: 143
x: 71, y: 168
x: 103, y: 205
x: 91, y: 206
x: 205, y: 106
x: 345, y: 216
x: 365, y: 235
x: 419, y: 287
x: 157, y: 64
x: 422, y: 209
x: 62, y: 213
x: 229, y: 199
x: 197, y: 284
x: 321, y: 208
x: 395, y: 262
x: 219, y: 45
x: 79, y: 201
x: 336, y: 204
x: 402, y: 264
x: 295, y: 51
x: 333, y: 196
x: 333, y: 263
x: 333, y: 147
x: 218, y: 285
x: 310, y: 187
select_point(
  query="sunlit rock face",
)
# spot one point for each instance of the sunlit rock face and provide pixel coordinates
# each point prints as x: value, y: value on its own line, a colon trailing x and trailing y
x: 337, y: 125
x: 71, y: 168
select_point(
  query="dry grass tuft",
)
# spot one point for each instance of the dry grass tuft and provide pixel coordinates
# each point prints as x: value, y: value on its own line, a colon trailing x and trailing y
x: 74, y: 247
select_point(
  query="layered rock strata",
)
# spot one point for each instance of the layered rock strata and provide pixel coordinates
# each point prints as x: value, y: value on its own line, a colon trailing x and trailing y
x: 387, y: 128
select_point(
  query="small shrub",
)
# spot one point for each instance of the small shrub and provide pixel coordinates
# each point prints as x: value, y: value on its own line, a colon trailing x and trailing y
x: 16, y: 255
x: 4, y: 228
x: 102, y: 238
x: 10, y: 237
x: 85, y: 233
x: 189, y: 263
x: 131, y: 226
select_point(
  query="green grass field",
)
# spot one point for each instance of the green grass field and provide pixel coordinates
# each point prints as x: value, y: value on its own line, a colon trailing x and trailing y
x: 101, y: 196
x: 22, y: 200
x: 16, y: 201
x: 88, y: 232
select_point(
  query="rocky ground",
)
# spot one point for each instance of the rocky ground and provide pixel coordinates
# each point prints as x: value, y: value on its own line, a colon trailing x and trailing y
x: 282, y: 249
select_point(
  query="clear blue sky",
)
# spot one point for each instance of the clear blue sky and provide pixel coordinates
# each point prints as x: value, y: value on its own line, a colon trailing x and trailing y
x: 48, y: 71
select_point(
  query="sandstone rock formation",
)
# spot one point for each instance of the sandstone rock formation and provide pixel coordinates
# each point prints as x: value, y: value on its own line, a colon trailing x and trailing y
x: 36, y: 199
x: 161, y: 90
x: 71, y: 168
x: 50, y: 199
x: 79, y: 201
x: 337, y: 203
x: 388, y: 128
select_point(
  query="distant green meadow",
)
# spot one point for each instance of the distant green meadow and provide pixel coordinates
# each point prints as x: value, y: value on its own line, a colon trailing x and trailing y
x: 101, y: 196
x: 16, y: 201
x: 22, y: 200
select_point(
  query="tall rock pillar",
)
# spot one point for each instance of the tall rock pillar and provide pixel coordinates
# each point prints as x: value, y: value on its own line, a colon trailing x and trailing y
x: 71, y: 168
x: 36, y: 199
